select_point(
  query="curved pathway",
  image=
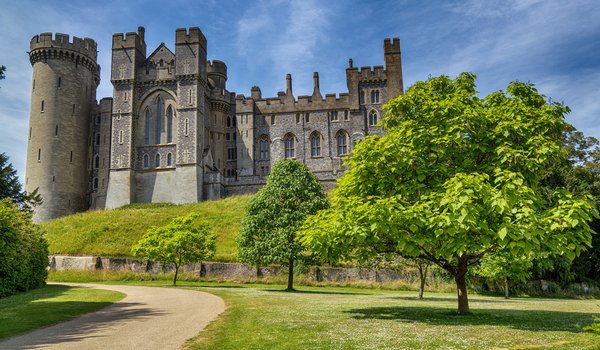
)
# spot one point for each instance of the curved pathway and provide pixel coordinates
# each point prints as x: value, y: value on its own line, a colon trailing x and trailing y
x: 147, y: 318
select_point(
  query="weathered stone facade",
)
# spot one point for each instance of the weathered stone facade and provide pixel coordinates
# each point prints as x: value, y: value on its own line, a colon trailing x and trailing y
x: 172, y: 132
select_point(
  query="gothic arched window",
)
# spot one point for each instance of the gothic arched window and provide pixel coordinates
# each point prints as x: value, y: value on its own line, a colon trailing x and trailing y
x: 315, y: 144
x: 342, y: 143
x: 157, y: 160
x: 169, y: 125
x: 169, y: 159
x: 263, y: 146
x: 159, y: 115
x: 147, y: 128
x: 146, y: 161
x: 373, y: 117
x: 289, y: 142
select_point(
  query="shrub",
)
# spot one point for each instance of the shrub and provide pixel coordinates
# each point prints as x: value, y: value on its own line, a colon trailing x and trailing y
x: 23, y: 251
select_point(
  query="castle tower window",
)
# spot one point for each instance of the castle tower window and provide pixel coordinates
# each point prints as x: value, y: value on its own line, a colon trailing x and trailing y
x: 307, y: 117
x: 97, y: 139
x: 289, y: 143
x: 272, y: 120
x: 98, y: 119
x: 146, y: 162
x: 42, y: 108
x: 375, y: 96
x: 234, y: 121
x: 227, y: 137
x: 102, y: 183
x: 59, y: 81
x: 39, y: 154
x: 297, y: 118
x: 120, y: 137
x: 73, y: 111
x: 346, y: 115
x: 373, y: 118
x: 228, y: 121
x: 33, y: 88
x: 96, y: 162
x: 56, y: 130
x: 334, y: 116
x: 263, y: 146
x: 362, y: 97
x: 30, y: 133
x: 125, y: 96
x: 71, y: 157
x: 232, y: 153
x: 95, y: 183
x: 342, y: 143
x: 147, y: 128
x: 170, y: 125
x: 190, y: 96
x: 159, y: 115
x: 169, y: 159
x: 315, y: 145
x: 157, y: 160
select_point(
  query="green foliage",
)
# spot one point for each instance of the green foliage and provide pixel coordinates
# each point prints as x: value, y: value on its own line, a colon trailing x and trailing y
x: 2, y: 70
x: 114, y: 232
x: 454, y: 179
x: 10, y: 187
x: 275, y: 214
x: 180, y: 242
x: 24, y: 251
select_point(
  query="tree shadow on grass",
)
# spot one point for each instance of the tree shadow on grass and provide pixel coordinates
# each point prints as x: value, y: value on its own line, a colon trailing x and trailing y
x: 451, y: 299
x: 296, y: 291
x: 531, y: 320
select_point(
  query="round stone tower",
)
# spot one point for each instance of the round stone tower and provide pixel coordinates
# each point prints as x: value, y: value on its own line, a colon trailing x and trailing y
x: 63, y: 100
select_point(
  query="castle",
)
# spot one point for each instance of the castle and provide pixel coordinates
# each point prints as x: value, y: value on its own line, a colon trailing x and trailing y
x: 172, y: 132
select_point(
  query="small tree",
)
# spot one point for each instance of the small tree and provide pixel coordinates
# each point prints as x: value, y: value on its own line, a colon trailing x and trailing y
x: 503, y: 268
x: 274, y: 215
x: 456, y: 179
x: 10, y: 187
x: 181, y: 242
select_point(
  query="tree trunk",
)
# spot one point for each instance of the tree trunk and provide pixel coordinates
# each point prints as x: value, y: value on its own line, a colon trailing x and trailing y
x: 176, y: 271
x: 423, y: 277
x: 506, y: 296
x: 290, y: 285
x: 461, y: 288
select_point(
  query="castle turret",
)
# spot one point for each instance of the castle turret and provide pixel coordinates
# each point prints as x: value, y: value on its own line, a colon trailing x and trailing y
x: 393, y: 66
x: 65, y: 78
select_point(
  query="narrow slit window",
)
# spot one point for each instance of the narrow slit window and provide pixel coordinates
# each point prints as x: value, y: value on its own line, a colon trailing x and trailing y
x: 59, y: 81
x: 157, y: 160
x: 56, y: 131
x: 71, y: 157
x: 42, y: 109
x: 39, y: 154
x: 307, y: 117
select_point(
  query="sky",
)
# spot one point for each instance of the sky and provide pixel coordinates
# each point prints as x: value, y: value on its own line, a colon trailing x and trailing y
x: 553, y: 44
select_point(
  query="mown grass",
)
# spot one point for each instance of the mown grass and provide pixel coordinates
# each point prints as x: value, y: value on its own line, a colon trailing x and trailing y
x: 114, y: 232
x: 49, y: 305
x: 263, y: 316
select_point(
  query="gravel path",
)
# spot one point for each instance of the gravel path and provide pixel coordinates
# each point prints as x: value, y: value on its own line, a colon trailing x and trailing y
x: 147, y: 318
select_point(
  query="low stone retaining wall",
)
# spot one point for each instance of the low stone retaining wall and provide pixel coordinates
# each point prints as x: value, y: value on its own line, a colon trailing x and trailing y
x: 224, y: 270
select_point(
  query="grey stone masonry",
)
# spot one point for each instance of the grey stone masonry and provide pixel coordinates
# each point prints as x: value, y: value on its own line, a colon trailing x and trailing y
x: 172, y: 132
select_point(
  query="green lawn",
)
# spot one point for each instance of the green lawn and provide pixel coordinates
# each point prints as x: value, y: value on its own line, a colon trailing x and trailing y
x: 113, y: 232
x: 264, y: 317
x: 48, y: 305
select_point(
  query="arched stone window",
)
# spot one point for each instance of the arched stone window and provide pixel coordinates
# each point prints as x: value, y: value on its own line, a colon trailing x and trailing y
x: 147, y: 128
x: 146, y: 161
x: 170, y: 125
x: 374, y: 96
x: 96, y: 162
x: 169, y: 159
x: 159, y: 116
x: 373, y: 117
x: 157, y: 160
x: 342, y: 143
x: 95, y: 183
x: 315, y: 144
x: 289, y: 142
x: 263, y: 146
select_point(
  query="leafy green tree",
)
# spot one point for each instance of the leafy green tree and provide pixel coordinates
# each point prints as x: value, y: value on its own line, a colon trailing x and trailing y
x: 2, y: 70
x: 454, y: 179
x: 504, y: 268
x: 276, y: 212
x: 23, y: 251
x: 180, y: 242
x: 10, y: 187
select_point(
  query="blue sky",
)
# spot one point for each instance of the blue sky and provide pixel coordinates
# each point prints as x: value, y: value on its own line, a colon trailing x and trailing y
x: 554, y: 44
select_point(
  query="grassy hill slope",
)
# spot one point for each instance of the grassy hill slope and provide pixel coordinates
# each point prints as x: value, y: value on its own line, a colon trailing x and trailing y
x: 113, y: 232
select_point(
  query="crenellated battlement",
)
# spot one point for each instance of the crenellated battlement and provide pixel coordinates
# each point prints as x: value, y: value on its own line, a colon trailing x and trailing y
x: 130, y: 40
x: 85, y: 46
x: 372, y: 73
x: 391, y: 45
x: 192, y: 35
x: 216, y: 67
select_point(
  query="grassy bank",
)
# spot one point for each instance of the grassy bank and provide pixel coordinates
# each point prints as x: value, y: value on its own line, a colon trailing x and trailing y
x: 113, y: 232
x: 49, y: 305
